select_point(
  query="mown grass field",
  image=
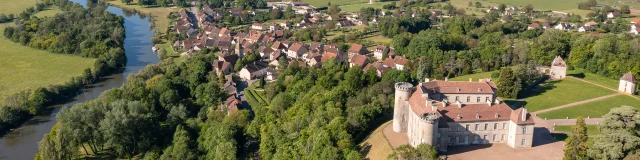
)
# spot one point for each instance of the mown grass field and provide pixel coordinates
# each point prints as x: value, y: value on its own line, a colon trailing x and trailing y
x: 356, y: 7
x: 592, y: 109
x: 324, y: 3
x: 15, y: 6
x: 376, y: 145
x: 23, y: 68
x: 592, y: 130
x: 560, y: 92
x: 594, y: 78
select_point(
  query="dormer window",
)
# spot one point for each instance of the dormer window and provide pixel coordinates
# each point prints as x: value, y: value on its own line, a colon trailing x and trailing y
x: 479, y: 89
x: 477, y: 116
x: 497, y: 115
x: 459, y: 117
x: 458, y: 89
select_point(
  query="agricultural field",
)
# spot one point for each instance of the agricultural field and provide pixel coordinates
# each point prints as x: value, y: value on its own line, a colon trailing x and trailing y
x: 356, y: 7
x: 22, y: 67
x: 376, y: 146
x: 560, y: 92
x: 324, y: 3
x: 593, y: 109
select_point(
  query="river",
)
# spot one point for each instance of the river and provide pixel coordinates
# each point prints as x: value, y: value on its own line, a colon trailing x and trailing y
x: 22, y: 143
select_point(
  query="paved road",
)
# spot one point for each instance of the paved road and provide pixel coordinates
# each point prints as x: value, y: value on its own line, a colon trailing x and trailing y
x: 194, y: 10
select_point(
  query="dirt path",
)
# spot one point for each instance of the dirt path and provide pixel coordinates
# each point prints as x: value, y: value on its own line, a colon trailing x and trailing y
x: 576, y: 103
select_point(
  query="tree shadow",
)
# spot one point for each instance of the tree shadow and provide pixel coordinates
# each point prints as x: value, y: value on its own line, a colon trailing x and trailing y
x: 577, y: 75
x: 365, y: 148
x: 540, y: 89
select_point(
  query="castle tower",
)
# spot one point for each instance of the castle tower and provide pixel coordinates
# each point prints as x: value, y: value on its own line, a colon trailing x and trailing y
x: 400, y: 108
x: 558, y: 68
x: 628, y: 83
x: 430, y: 128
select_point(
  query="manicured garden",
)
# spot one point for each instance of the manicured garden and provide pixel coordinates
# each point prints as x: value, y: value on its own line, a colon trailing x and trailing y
x: 592, y: 109
x: 560, y: 92
x: 256, y: 95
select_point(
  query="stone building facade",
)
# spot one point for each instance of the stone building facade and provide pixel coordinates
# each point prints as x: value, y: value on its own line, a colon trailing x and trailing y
x: 450, y: 113
x: 558, y: 68
x: 628, y: 83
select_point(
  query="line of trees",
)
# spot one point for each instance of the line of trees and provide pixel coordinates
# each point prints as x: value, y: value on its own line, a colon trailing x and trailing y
x: 93, y: 33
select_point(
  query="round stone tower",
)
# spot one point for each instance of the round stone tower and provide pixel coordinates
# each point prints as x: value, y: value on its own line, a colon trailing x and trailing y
x: 430, y: 128
x: 400, y: 108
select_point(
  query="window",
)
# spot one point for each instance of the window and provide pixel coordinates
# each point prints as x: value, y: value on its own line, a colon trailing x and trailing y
x: 466, y: 139
x: 502, y: 139
x: 484, y: 139
x: 494, y: 137
x: 466, y: 127
x: 475, y: 139
x: 457, y: 98
x: 524, y: 130
x: 495, y: 126
x: 477, y: 127
x: 457, y: 139
x: 468, y: 98
x: 487, y: 99
x: 486, y: 126
x: 504, y: 125
x: 478, y: 99
x: 524, y: 142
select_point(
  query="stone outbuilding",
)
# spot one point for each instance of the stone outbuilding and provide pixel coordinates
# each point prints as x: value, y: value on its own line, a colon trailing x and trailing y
x: 558, y: 68
x: 628, y: 83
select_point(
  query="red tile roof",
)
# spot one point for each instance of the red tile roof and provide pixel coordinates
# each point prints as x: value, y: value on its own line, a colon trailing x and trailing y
x: 517, y: 116
x: 355, y: 48
x: 629, y: 77
x: 359, y: 60
x: 459, y: 87
x: 558, y: 62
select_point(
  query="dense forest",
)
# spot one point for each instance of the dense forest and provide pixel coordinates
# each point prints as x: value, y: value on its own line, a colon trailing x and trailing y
x: 92, y: 33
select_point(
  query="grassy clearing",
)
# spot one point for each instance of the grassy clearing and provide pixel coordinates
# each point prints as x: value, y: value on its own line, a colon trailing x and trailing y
x: 594, y: 78
x: 356, y: 7
x: 23, y: 68
x: 159, y: 14
x: 15, y: 6
x: 560, y: 92
x: 376, y: 146
x: 475, y: 77
x: 593, y: 109
x: 542, y: 4
x: 48, y: 12
x: 324, y: 3
x: 379, y: 39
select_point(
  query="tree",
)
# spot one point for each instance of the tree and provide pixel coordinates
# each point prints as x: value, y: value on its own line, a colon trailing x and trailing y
x: 404, y: 3
x: 502, y: 7
x: 620, y: 137
x: 126, y: 1
x: 128, y: 127
x: 333, y: 9
x: 478, y: 5
x: 422, y: 151
x: 576, y: 147
x: 624, y: 9
x: 181, y: 147
x: 509, y: 84
x: 528, y: 9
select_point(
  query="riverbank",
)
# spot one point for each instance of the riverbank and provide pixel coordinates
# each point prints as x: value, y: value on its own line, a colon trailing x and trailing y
x: 22, y: 142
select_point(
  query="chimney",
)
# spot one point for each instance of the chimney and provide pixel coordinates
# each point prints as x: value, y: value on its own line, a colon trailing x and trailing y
x: 524, y: 114
x: 426, y: 79
x: 470, y: 79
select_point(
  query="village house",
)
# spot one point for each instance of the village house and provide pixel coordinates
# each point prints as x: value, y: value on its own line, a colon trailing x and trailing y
x: 635, y: 28
x: 591, y: 24
x: 612, y: 15
x: 296, y: 50
x: 562, y: 26
x: 334, y: 53
x: 356, y: 49
x: 224, y: 64
x: 585, y: 29
x: 333, y: 17
x: 258, y: 26
x: 398, y: 62
x: 231, y: 105
x: 379, y: 68
x: 635, y: 21
x: 379, y: 51
x: 358, y: 60
x: 534, y: 26
x: 253, y: 70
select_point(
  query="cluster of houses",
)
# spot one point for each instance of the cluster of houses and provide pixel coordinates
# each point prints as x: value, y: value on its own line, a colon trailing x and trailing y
x: 588, y: 26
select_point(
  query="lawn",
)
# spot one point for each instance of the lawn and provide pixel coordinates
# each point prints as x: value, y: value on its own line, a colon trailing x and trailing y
x: 475, y: 77
x: 48, y: 12
x: 594, y: 78
x: 376, y: 146
x: 15, y: 6
x: 324, y: 3
x: 591, y: 129
x: 560, y: 92
x: 356, y: 7
x: 592, y: 109
x: 379, y: 39
x: 22, y: 67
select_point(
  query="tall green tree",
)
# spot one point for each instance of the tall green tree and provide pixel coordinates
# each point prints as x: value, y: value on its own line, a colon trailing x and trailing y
x: 181, y: 147
x: 509, y: 84
x: 621, y: 134
x: 576, y: 147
